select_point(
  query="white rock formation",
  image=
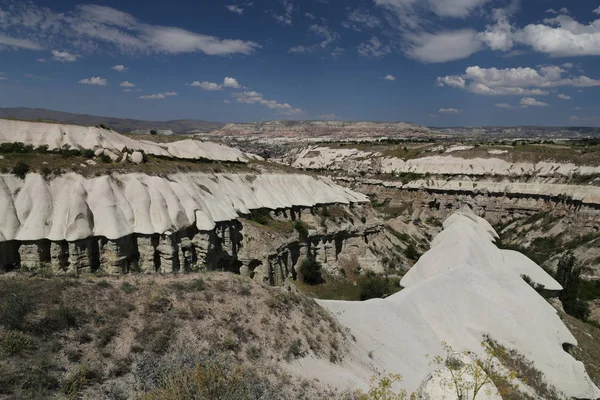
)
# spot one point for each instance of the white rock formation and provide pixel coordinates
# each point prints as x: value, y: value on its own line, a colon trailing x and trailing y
x: 463, y: 288
x: 318, y: 157
x: 55, y: 136
x: 71, y: 207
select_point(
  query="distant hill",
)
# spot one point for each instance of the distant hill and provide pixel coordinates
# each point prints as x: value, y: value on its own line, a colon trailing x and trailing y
x: 124, y: 125
x: 323, y: 129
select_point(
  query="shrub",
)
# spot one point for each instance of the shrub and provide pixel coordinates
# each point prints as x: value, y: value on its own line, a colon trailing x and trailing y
x: 310, y: 269
x: 83, y: 376
x: 46, y: 172
x: 105, y: 159
x: 42, y: 149
x: 373, y: 287
x: 20, y: 170
x: 295, y: 350
x: 302, y: 230
x: 14, y: 308
x: 568, y: 275
x: 212, y: 378
x: 153, y: 132
x: 411, y: 252
x: 363, y: 219
x: 60, y: 319
x: 261, y: 216
x: 14, y: 342
x: 88, y: 153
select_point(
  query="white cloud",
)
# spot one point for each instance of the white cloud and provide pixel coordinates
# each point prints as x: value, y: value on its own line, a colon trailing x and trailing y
x: 506, y: 106
x: 449, y: 111
x: 373, y: 48
x: 96, y: 80
x: 562, y: 36
x: 514, y: 81
x: 19, y: 43
x: 563, y: 96
x: 119, y: 68
x: 530, y: 101
x: 42, y: 60
x: 338, y: 51
x: 564, y: 10
x: 92, y: 28
x: 126, y: 84
x: 286, y: 17
x: 433, y: 115
x: 207, y: 85
x: 500, y: 35
x: 551, y: 11
x: 158, y: 96
x: 567, y: 65
x: 227, y: 101
x: 127, y: 90
x: 442, y: 8
x: 327, y: 37
x: 596, y: 11
x: 231, y: 83
x: 253, y: 97
x: 64, y: 56
x: 575, y: 118
x: 328, y: 117
x: 235, y: 9
x: 309, y: 15
x: 359, y: 19
x: 389, y: 78
x: 443, y: 46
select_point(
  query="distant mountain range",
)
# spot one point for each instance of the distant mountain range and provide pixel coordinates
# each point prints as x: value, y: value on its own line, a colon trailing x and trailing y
x: 123, y: 125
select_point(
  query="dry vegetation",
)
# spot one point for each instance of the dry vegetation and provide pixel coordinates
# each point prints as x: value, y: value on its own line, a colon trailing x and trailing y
x: 104, y: 338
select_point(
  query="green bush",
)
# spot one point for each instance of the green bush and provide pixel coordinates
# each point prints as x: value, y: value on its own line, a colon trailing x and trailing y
x: 411, y: 252
x: 302, y: 230
x: 20, y: 170
x: 261, y: 216
x: 373, y: 287
x: 42, y: 149
x: 105, y: 159
x: 568, y: 275
x: 310, y: 269
x: 88, y: 153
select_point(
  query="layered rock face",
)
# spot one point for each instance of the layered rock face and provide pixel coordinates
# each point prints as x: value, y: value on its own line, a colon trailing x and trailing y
x: 140, y: 223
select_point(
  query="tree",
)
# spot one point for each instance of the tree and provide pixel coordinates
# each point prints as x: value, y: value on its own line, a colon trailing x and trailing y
x: 153, y: 132
x: 310, y: 269
x: 568, y: 274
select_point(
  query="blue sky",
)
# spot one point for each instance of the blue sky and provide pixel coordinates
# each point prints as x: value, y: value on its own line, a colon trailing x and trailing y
x: 432, y: 62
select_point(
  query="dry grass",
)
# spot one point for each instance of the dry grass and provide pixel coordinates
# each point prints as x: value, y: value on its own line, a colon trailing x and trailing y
x: 88, y: 336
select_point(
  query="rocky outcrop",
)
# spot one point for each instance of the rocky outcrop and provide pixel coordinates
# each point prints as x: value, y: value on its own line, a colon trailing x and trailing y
x: 57, y: 136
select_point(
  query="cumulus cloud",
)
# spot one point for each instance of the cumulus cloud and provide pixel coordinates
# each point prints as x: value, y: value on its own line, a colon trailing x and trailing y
x: 449, y: 111
x: 235, y: 9
x: 530, y: 101
x: 207, y: 85
x: 119, y: 68
x: 96, y: 80
x: 253, y: 97
x: 126, y: 84
x: 93, y: 28
x: 443, y: 46
x: 64, y: 56
x: 389, y: 78
x: 596, y: 11
x: 227, y: 82
x: 360, y: 19
x: 563, y: 96
x: 514, y: 81
x: 373, y: 48
x: 158, y: 96
x: 42, y: 60
x: 500, y: 35
x: 227, y: 101
x: 231, y: 83
x: 309, y: 15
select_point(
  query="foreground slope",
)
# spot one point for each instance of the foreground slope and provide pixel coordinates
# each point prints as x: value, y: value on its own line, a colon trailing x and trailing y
x: 461, y: 290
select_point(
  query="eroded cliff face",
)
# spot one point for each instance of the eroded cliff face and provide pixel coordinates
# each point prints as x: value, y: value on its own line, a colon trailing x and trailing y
x: 240, y: 246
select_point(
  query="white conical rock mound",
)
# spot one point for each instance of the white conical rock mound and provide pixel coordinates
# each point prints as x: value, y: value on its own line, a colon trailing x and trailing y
x: 463, y: 288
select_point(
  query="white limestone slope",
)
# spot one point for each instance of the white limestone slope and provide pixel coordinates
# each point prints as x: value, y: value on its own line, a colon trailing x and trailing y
x: 72, y: 207
x: 55, y: 136
x: 463, y: 288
